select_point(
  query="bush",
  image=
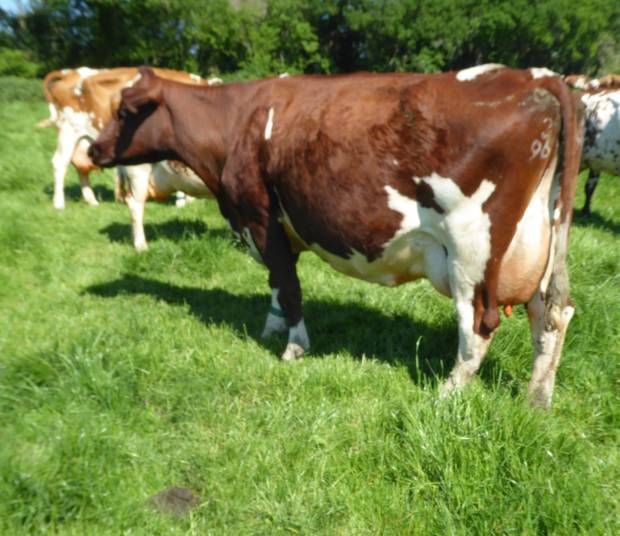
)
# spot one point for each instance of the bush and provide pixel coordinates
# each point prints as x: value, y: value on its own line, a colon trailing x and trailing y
x: 13, y: 88
x: 15, y: 62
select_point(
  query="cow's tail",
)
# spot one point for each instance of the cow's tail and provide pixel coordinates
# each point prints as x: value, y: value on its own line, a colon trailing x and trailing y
x: 572, y: 139
x: 50, y: 79
x: 571, y: 143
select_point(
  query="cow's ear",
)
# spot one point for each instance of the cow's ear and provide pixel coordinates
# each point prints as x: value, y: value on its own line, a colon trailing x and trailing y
x: 135, y: 97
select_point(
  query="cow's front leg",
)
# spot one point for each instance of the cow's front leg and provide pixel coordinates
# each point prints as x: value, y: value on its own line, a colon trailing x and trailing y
x: 273, y: 246
x: 477, y: 325
x: 472, y: 350
x: 276, y: 317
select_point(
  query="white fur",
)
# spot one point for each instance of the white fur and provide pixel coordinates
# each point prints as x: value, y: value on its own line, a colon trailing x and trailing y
x: 134, y: 80
x: 195, y: 77
x: 274, y: 323
x: 298, y: 342
x: 269, y: 125
x: 214, y: 81
x: 601, y: 152
x: 541, y: 72
x: 466, y: 75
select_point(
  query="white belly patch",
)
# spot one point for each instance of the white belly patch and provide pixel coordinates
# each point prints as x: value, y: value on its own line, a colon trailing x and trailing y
x: 426, y: 239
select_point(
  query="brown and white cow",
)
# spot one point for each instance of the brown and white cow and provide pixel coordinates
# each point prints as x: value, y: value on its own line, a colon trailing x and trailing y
x: 458, y: 177
x: 63, y: 95
x: 601, y: 147
x: 81, y: 103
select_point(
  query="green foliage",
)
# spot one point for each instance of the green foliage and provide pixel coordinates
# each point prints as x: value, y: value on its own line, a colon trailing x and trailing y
x: 258, y: 38
x: 14, y: 89
x: 17, y: 63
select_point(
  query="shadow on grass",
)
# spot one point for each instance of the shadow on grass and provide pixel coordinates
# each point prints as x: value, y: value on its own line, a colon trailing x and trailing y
x: 175, y: 230
x: 353, y: 327
x: 74, y: 192
x: 595, y: 220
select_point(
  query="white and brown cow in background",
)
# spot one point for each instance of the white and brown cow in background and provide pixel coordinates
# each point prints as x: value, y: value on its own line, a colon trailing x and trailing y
x: 63, y: 96
x: 601, y: 147
x: 458, y: 177
x: 81, y: 103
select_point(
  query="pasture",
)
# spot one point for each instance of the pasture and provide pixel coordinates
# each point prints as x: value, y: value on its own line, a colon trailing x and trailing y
x: 124, y: 373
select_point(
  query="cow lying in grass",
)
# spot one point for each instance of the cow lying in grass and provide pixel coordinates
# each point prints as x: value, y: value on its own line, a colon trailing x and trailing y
x: 388, y: 178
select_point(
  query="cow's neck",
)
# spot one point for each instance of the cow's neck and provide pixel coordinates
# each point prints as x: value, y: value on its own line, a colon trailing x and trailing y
x: 203, y: 119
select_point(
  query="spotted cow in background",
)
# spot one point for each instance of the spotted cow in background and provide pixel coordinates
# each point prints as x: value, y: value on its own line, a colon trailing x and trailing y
x: 601, y: 147
x: 457, y: 177
x: 81, y: 103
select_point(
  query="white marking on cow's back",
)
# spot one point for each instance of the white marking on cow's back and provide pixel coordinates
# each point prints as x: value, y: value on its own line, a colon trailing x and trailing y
x: 134, y: 80
x: 269, y: 125
x: 85, y: 72
x: 65, y: 71
x: 214, y: 81
x: 195, y: 77
x: 466, y: 75
x: 541, y: 72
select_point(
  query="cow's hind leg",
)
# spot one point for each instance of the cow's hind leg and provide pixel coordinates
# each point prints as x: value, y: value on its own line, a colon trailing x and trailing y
x: 589, y: 190
x: 550, y: 312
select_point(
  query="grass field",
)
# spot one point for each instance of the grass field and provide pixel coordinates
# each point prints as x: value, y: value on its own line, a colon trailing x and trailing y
x: 122, y: 374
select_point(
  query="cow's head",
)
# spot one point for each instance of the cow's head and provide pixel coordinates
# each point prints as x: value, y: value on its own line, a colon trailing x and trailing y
x: 140, y: 129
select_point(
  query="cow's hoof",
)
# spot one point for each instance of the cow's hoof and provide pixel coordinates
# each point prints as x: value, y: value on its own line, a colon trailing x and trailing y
x: 93, y: 203
x: 141, y: 246
x: 539, y: 397
x: 59, y: 204
x: 293, y: 351
x: 448, y: 388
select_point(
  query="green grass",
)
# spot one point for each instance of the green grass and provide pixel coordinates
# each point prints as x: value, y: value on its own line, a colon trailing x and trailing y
x: 122, y: 374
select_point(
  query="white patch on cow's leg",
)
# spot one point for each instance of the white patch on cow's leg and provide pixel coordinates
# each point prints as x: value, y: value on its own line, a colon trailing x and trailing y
x: 548, y: 333
x: 269, y: 125
x: 87, y: 192
x: 180, y: 199
x: 472, y: 349
x: 298, y: 342
x: 139, y: 187
x: 276, y: 318
x: 60, y: 161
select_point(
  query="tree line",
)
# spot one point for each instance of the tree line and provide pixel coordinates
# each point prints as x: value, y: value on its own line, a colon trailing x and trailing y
x: 254, y: 38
